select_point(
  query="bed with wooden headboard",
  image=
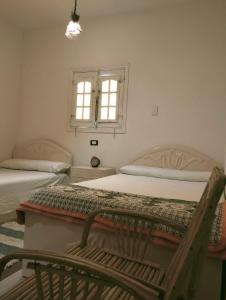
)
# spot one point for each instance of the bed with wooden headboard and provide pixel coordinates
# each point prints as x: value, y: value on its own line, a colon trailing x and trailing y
x: 169, y: 171
x: 34, y: 165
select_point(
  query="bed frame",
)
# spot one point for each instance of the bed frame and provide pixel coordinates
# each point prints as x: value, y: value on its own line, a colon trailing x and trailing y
x: 42, y: 149
x: 176, y: 157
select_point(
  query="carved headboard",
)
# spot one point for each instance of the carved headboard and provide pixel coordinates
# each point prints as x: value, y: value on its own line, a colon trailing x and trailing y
x: 176, y: 157
x: 42, y: 150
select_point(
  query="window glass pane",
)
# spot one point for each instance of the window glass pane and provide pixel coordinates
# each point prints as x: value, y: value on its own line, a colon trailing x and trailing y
x: 86, y: 113
x: 105, y: 86
x: 79, y: 100
x: 112, y: 113
x: 114, y: 85
x: 104, y: 113
x: 113, y: 99
x: 104, y: 100
x: 87, y: 87
x: 80, y: 87
x: 79, y: 113
x: 87, y: 100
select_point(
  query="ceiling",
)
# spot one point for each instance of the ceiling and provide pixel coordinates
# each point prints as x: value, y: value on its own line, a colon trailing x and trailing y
x: 30, y: 14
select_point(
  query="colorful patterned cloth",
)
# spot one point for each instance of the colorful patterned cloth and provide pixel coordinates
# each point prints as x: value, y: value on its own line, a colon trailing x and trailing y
x: 85, y: 200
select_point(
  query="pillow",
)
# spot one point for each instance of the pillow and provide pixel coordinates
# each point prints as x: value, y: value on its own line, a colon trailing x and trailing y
x: 165, y: 173
x: 35, y: 165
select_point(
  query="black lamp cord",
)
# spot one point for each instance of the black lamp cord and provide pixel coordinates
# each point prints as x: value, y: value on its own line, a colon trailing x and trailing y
x: 75, y: 8
x: 74, y: 15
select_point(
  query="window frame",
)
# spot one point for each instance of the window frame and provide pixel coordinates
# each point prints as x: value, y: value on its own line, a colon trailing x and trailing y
x: 82, y: 76
x: 100, y: 74
x: 116, y: 120
x: 83, y: 94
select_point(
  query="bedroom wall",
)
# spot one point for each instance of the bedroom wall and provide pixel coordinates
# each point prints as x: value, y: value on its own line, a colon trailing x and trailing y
x: 10, y: 68
x: 177, y: 61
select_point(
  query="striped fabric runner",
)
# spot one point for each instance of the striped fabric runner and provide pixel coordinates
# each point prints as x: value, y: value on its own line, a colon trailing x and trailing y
x: 11, y: 237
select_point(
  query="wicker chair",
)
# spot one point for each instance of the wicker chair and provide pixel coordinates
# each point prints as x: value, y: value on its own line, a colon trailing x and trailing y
x: 124, y: 262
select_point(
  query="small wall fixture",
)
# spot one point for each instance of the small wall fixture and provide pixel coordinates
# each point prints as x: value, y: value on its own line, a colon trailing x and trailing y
x: 73, y: 27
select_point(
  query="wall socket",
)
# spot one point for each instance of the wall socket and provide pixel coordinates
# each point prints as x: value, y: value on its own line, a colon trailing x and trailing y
x: 93, y: 142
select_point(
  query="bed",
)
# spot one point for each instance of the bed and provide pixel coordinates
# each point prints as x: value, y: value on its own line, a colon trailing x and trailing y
x: 33, y: 166
x: 54, y: 229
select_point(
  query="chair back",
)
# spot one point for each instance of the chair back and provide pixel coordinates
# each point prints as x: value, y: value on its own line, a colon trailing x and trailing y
x: 192, y: 250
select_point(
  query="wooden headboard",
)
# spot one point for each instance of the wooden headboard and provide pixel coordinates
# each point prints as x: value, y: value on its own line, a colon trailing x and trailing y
x: 42, y: 149
x: 176, y: 157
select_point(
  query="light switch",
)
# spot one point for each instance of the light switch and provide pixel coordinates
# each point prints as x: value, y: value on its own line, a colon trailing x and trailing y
x: 155, y: 110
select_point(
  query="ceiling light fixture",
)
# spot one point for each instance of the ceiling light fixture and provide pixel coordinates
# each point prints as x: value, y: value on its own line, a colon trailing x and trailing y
x: 73, y: 27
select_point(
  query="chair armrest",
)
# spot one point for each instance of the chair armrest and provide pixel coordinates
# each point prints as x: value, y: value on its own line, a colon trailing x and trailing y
x: 139, y: 290
x: 127, y: 213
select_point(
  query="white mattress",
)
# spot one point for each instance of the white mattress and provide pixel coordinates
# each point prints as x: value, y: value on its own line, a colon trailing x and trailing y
x: 149, y: 186
x: 17, y: 185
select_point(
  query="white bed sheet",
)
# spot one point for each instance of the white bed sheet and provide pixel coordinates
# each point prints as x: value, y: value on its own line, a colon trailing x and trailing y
x: 17, y: 185
x: 149, y: 186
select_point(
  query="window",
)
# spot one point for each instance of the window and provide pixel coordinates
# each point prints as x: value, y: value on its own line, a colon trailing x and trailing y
x: 99, y: 100
x: 109, y: 99
x: 83, y: 101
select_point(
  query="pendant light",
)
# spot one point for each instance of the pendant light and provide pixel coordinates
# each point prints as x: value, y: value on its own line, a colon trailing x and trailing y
x: 73, y: 27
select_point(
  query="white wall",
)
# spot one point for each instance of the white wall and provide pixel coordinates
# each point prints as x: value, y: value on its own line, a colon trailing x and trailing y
x: 177, y: 61
x: 10, y: 68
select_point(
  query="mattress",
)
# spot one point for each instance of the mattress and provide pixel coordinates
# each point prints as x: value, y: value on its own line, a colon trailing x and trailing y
x: 17, y: 185
x: 148, y: 186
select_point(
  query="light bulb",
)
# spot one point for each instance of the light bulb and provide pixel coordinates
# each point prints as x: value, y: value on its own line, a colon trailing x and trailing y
x: 73, y: 29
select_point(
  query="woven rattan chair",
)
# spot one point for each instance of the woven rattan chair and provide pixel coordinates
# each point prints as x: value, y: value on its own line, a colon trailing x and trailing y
x: 73, y: 275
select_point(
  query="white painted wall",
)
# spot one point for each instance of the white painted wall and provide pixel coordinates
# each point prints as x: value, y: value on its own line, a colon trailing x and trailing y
x: 177, y: 61
x: 10, y: 68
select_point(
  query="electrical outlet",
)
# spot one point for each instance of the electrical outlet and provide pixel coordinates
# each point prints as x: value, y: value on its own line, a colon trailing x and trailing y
x: 93, y: 142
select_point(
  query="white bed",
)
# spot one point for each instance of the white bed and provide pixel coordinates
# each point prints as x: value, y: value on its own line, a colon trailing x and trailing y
x: 17, y: 185
x: 42, y: 232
